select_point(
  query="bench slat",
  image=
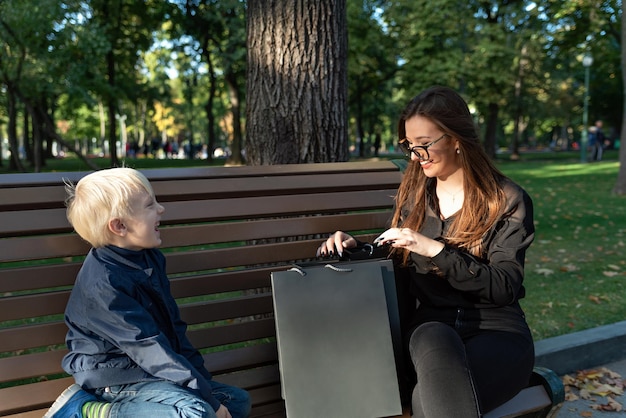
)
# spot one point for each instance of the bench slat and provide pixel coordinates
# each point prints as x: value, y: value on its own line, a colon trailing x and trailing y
x: 198, y: 234
x: 530, y: 399
x: 32, y: 396
x: 272, y: 206
x: 31, y: 336
x: 227, y: 309
x: 31, y: 365
x: 233, y: 333
x: 234, y: 359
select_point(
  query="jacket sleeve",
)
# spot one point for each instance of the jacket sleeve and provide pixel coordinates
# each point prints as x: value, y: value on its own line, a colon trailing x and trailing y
x: 496, y: 279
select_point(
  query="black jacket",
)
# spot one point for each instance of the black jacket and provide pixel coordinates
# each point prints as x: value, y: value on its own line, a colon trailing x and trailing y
x: 476, y: 293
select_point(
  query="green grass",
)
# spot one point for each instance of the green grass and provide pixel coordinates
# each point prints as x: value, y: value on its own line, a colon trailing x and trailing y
x: 575, y: 269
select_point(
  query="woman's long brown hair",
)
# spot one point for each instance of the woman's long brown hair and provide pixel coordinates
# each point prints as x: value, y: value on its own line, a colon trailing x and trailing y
x: 484, y: 197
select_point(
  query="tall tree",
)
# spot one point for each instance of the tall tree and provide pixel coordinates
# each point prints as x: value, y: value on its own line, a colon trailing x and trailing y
x: 217, y: 28
x: 372, y: 65
x: 620, y: 184
x: 297, y: 81
x: 127, y: 26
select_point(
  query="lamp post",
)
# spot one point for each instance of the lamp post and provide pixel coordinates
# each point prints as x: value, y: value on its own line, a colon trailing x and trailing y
x: 587, y: 61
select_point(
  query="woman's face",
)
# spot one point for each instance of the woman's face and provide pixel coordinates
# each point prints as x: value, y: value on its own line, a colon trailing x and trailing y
x: 442, y: 158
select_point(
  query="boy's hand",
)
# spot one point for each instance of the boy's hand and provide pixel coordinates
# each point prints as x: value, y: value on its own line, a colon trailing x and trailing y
x: 223, y: 412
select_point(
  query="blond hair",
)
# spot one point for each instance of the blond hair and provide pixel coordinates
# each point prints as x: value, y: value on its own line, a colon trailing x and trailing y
x: 101, y: 196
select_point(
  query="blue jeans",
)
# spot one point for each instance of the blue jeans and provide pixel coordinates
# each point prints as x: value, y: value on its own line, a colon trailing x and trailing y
x: 165, y: 399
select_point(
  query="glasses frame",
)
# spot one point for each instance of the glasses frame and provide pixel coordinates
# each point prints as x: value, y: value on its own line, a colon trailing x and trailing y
x: 402, y: 144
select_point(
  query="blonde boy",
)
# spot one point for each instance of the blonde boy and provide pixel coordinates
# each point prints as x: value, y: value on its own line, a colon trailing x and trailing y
x: 128, y: 351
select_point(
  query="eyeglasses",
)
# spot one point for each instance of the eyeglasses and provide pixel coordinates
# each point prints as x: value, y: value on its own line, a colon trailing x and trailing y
x: 420, y: 151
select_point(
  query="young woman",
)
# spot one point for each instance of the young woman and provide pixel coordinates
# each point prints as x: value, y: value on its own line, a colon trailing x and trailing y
x: 461, y: 230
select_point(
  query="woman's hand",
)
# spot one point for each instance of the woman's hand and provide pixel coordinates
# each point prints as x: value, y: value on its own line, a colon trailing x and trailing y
x: 336, y: 243
x: 410, y: 240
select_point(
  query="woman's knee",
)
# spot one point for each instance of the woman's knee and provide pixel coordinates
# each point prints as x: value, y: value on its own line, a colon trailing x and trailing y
x: 433, y: 336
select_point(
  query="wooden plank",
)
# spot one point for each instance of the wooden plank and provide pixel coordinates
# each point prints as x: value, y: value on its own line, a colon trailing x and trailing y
x: 31, y: 365
x: 31, y: 396
x: 25, y: 222
x: 49, y: 221
x: 32, y: 336
x: 32, y: 414
x: 219, y: 310
x: 46, y: 246
x: 12, y: 180
x: 37, y: 277
x: 232, y: 359
x: 273, y: 410
x: 32, y: 306
x: 530, y: 399
x: 262, y: 376
x: 232, y: 333
x: 271, y: 206
x: 228, y: 281
x: 197, y: 234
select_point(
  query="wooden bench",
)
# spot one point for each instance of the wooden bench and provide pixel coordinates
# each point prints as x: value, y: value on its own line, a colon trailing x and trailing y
x: 224, y: 231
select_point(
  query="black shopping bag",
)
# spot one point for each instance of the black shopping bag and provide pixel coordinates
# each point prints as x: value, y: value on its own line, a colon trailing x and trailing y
x: 337, y: 326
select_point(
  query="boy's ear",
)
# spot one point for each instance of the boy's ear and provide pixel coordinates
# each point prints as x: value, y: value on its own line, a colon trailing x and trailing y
x: 117, y: 227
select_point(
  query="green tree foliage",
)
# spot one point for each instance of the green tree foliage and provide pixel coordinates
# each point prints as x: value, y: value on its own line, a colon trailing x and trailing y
x: 372, y: 66
x: 71, y: 71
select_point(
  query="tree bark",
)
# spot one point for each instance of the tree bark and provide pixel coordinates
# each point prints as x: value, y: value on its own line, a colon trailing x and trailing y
x: 620, y: 184
x: 15, y: 163
x: 297, y: 82
x: 492, y: 127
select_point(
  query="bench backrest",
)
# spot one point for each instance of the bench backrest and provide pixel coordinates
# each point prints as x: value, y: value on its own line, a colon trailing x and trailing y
x: 225, y: 229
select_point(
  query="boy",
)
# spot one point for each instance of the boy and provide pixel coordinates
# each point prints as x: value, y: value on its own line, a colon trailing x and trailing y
x: 127, y: 346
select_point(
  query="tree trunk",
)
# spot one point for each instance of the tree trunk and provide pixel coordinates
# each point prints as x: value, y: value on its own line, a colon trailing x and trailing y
x: 490, y: 133
x: 620, y: 185
x: 16, y: 163
x: 297, y: 82
x: 111, y: 109
x: 211, y: 133
x: 236, y: 158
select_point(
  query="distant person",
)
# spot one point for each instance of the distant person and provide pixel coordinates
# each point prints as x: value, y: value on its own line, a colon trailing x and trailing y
x: 459, y: 235
x: 128, y: 349
x: 597, y: 141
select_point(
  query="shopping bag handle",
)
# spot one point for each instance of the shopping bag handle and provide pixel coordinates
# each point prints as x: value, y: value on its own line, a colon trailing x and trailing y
x: 329, y: 266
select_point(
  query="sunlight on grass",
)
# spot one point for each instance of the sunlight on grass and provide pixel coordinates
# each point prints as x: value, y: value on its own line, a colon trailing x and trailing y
x: 575, y: 269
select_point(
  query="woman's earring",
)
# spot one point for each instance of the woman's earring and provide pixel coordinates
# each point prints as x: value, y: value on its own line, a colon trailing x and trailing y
x: 458, y: 151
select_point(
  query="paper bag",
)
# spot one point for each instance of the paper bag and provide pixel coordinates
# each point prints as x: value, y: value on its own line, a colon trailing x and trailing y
x: 336, y: 326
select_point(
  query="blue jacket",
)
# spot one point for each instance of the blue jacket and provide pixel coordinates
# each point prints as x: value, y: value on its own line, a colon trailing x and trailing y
x: 125, y: 326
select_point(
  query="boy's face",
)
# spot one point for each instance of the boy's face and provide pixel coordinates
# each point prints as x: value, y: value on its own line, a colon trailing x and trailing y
x: 142, y: 227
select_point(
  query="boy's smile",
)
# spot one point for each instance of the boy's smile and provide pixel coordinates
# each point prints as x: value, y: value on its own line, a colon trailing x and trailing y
x: 141, y: 229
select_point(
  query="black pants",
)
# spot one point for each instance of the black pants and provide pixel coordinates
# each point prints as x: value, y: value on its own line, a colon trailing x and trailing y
x: 466, y: 378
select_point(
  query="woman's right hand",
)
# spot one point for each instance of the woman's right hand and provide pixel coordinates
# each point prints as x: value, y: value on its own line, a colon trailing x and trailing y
x: 335, y: 244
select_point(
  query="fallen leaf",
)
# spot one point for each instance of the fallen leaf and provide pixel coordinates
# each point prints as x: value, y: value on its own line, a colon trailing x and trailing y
x: 569, y: 267
x: 544, y: 271
x: 610, y: 273
x: 594, y: 299
x: 585, y: 394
